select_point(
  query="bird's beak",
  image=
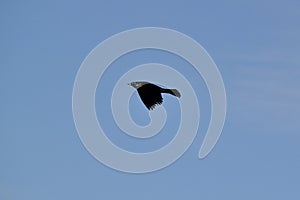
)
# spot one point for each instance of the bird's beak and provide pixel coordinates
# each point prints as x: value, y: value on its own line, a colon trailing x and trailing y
x: 129, y: 84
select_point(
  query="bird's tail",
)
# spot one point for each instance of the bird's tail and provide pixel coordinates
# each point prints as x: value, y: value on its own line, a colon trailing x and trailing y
x: 172, y: 92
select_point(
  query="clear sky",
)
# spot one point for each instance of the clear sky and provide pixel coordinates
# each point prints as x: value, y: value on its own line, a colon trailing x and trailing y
x: 255, y: 44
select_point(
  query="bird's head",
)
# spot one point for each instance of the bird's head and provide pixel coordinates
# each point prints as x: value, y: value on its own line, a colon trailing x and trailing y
x: 137, y: 84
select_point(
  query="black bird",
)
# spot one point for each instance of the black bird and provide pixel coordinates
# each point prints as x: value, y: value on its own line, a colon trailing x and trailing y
x: 151, y: 94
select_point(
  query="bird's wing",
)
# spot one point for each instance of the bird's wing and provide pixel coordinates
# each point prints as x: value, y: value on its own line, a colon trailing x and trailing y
x: 150, y: 95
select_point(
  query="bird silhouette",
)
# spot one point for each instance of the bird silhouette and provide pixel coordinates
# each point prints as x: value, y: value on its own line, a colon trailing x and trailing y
x: 150, y: 93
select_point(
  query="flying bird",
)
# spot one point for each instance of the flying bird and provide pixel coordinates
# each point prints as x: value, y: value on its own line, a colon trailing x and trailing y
x: 151, y: 94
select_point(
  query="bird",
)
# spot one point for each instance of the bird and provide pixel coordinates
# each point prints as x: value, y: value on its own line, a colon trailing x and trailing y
x: 150, y: 93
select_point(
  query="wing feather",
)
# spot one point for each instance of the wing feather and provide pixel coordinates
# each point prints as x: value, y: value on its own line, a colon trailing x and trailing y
x: 150, y: 94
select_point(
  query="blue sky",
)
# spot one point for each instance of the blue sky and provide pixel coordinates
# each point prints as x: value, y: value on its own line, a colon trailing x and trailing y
x: 255, y: 44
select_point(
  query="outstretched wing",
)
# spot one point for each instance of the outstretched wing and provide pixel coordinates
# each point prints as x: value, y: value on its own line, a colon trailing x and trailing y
x: 150, y: 95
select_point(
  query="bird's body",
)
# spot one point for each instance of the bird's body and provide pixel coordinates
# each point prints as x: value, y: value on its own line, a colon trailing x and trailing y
x: 150, y: 94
